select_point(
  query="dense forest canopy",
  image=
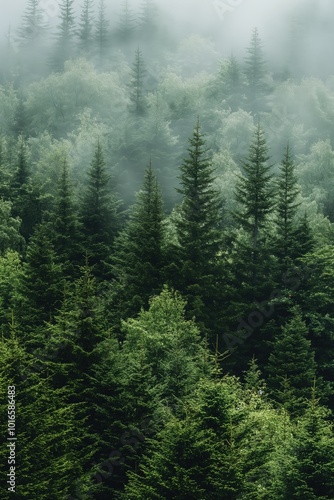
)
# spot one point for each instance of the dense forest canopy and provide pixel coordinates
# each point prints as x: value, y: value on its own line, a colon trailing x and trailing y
x: 167, y: 249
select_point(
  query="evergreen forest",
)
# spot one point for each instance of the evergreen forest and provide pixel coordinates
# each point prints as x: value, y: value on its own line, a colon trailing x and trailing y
x: 166, y: 252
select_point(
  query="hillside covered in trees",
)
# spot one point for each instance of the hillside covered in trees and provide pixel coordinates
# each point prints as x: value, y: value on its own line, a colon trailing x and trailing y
x: 166, y: 255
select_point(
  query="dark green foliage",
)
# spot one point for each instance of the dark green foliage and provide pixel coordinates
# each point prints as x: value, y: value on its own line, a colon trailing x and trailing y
x: 311, y: 475
x: 138, y: 251
x: 41, y: 284
x: 65, y: 231
x: 25, y: 194
x: 199, y: 231
x: 287, y: 205
x: 291, y: 366
x: 255, y: 192
x: 99, y: 215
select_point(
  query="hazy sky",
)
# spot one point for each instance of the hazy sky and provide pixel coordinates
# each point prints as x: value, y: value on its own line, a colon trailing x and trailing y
x: 230, y: 22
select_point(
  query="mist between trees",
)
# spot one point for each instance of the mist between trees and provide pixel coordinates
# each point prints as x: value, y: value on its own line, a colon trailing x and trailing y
x: 166, y: 249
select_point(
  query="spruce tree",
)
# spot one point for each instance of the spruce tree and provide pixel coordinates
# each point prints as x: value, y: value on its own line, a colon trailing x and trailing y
x: 65, y: 35
x: 229, y: 87
x: 291, y: 367
x: 41, y: 285
x: 33, y: 28
x: 24, y: 194
x: 99, y: 215
x: 311, y: 473
x: 199, y: 232
x: 65, y: 230
x: 255, y: 72
x: 102, y: 31
x: 287, y: 205
x: 148, y: 20
x: 255, y: 192
x: 137, y: 93
x: 86, y: 27
x: 138, y: 251
x: 126, y: 23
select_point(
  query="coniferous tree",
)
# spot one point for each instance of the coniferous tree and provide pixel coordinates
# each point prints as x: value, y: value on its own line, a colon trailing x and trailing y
x: 65, y: 35
x: 291, y: 366
x: 86, y: 27
x: 310, y: 474
x: 126, y: 23
x: 41, y: 285
x: 137, y: 93
x: 102, y: 31
x: 286, y: 209
x: 33, y: 28
x: 255, y: 192
x: 199, y: 231
x: 25, y: 195
x: 255, y: 73
x: 99, y: 215
x: 229, y: 87
x: 138, y: 251
x: 65, y: 229
x: 148, y: 20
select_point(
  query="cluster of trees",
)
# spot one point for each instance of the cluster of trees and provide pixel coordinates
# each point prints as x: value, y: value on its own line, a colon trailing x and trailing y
x: 165, y: 312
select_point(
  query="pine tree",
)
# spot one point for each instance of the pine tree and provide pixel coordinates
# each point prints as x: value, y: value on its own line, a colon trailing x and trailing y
x: 86, y: 26
x: 65, y: 35
x: 138, y: 251
x: 199, y: 231
x: 65, y: 229
x: 137, y: 93
x: 102, y: 31
x: 255, y: 72
x: 99, y: 215
x: 291, y: 366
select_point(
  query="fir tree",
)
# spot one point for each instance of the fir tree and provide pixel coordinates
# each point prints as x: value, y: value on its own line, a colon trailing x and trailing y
x: 199, y: 230
x: 148, y: 20
x: 33, y: 28
x: 41, y: 284
x: 65, y: 35
x: 291, y: 365
x: 102, y: 31
x: 311, y: 473
x: 137, y: 93
x: 255, y: 72
x: 25, y: 195
x: 126, y: 23
x: 99, y: 215
x: 138, y: 250
x: 86, y: 27
x: 255, y: 193
x: 287, y: 205
x: 65, y: 225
